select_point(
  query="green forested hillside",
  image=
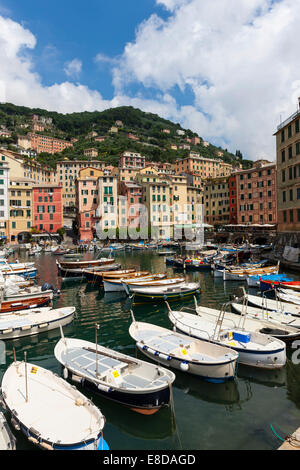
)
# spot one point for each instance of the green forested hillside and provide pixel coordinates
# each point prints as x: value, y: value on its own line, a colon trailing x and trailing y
x: 147, y: 127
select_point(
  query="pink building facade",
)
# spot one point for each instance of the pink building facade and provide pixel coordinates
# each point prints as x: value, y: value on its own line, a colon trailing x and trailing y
x: 47, y: 207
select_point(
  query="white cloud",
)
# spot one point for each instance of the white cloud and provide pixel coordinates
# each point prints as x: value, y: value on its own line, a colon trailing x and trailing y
x: 238, y: 58
x: 73, y: 68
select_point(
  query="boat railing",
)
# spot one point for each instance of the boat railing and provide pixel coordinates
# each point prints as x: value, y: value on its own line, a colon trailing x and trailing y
x: 190, y: 329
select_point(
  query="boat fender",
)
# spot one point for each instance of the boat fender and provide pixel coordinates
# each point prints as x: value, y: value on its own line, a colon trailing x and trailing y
x: 184, y: 366
x: 164, y: 356
x: 79, y: 402
x: 46, y: 446
x: 33, y: 440
x: 76, y: 378
x: 174, y: 328
x: 104, y: 388
x: 65, y: 373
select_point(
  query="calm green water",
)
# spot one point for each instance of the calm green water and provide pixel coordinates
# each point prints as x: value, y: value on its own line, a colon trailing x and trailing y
x: 236, y: 415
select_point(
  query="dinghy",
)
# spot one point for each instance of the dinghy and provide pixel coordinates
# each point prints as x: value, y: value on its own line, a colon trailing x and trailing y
x: 152, y: 294
x: 32, y: 322
x: 8, y: 306
x: 287, y: 295
x: 134, y: 286
x: 139, y: 385
x: 211, y: 362
x: 115, y: 285
x: 253, y: 323
x: 276, y: 316
x: 241, y: 274
x: 15, y: 293
x: 272, y: 305
x: 96, y: 275
x: 7, y: 439
x: 50, y: 412
x: 75, y: 268
x: 254, y: 348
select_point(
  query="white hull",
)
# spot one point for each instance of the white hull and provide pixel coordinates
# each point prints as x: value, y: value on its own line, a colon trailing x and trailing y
x: 32, y: 322
x: 273, y: 316
x: 261, y: 351
x: 49, y: 411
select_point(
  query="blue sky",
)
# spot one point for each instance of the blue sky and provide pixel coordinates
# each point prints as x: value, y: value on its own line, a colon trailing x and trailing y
x: 71, y: 28
x: 226, y: 69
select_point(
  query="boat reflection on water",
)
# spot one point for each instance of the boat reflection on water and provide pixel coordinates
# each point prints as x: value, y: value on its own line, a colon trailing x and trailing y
x: 269, y: 378
x: 113, y: 297
x: 226, y: 393
x: 157, y: 426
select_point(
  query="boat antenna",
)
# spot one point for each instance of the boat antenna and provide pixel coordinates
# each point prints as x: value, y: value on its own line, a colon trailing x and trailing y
x: 26, y: 383
x: 97, y: 327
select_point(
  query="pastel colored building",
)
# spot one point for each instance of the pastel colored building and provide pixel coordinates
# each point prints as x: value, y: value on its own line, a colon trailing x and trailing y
x: 288, y: 173
x: 20, y: 208
x: 216, y: 201
x: 204, y: 167
x: 91, y: 153
x: 133, y: 194
x: 233, y: 199
x: 47, y: 207
x: 132, y: 160
x: 45, y: 143
x: 256, y: 194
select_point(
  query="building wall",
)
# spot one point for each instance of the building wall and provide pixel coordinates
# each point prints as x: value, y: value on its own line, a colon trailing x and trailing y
x: 256, y: 195
x: 44, y: 143
x: 216, y: 201
x: 47, y: 208
x: 20, y: 208
x: 288, y: 174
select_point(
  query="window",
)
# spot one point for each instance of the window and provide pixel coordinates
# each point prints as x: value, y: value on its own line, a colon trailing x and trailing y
x: 290, y: 152
x: 282, y: 136
x: 290, y: 131
x: 284, y: 216
x: 283, y: 176
x: 13, y: 224
x: 297, y: 126
x: 291, y: 215
x: 284, y: 196
x: 291, y: 194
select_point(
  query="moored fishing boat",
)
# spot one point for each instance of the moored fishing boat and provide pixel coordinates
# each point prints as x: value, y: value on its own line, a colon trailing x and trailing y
x: 275, y: 316
x: 241, y: 274
x: 50, y: 412
x: 139, y: 385
x: 253, y: 323
x: 272, y: 305
x: 14, y: 305
x: 211, y: 362
x: 75, y: 268
x: 153, y: 294
x: 134, y: 285
x: 7, y: 439
x: 96, y: 274
x: 263, y: 280
x: 254, y: 348
x: 15, y: 293
x: 115, y: 285
x: 32, y: 322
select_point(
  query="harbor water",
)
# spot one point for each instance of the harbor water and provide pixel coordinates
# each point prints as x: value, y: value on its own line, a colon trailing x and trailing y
x: 234, y: 415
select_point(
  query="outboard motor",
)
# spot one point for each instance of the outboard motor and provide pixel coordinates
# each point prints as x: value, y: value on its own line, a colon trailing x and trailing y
x: 47, y: 286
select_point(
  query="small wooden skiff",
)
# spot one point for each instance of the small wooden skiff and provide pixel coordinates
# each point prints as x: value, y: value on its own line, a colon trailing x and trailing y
x: 137, y: 384
x: 50, y: 412
x: 115, y: 285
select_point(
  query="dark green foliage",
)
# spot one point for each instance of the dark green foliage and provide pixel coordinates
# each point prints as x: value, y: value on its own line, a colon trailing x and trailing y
x: 153, y: 143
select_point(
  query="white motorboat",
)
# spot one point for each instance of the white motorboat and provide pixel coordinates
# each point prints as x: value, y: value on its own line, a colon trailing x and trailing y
x: 7, y: 439
x: 212, y: 362
x: 276, y: 316
x: 242, y: 274
x: 50, y: 412
x: 272, y: 305
x: 35, y: 321
x: 254, y: 348
x: 256, y: 324
x: 168, y: 292
x: 137, y: 384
